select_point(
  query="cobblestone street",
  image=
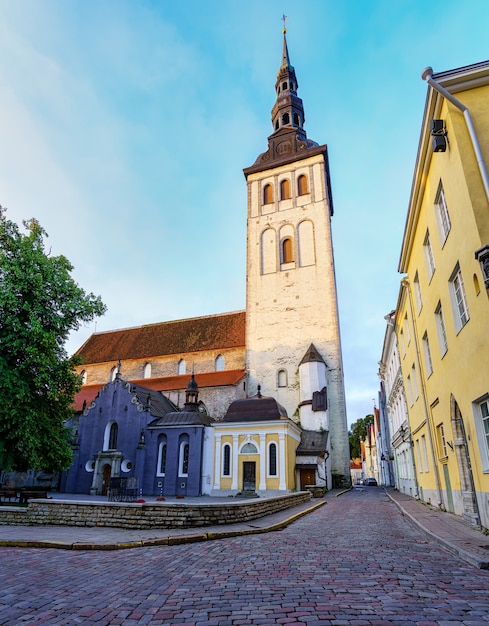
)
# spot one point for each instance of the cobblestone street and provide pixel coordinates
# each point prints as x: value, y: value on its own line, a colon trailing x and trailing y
x: 356, y: 560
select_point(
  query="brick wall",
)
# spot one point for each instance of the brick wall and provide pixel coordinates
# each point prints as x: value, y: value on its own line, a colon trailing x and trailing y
x: 147, y: 515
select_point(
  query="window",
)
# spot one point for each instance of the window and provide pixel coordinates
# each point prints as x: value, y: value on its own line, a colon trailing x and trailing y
x: 425, y: 454
x: 302, y: 188
x: 285, y: 189
x: 112, y: 374
x: 268, y: 194
x: 147, y: 370
x: 182, y: 367
x: 249, y: 448
x: 83, y: 377
x: 162, y: 450
x: 415, y: 382
x: 402, y: 342
x: 417, y: 292
x: 219, y: 364
x: 427, y: 355
x: 282, y: 378
x: 418, y: 454
x: 442, y: 443
x: 285, y: 119
x: 410, y: 390
x: 484, y: 413
x: 428, y: 255
x: 440, y: 327
x: 272, y: 459
x: 226, y: 460
x: 287, y: 250
x: 406, y: 330
x: 459, y: 301
x: 110, y: 436
x: 183, y: 459
x: 442, y: 215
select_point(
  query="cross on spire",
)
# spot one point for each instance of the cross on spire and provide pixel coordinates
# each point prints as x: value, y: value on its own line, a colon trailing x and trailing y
x: 284, y: 20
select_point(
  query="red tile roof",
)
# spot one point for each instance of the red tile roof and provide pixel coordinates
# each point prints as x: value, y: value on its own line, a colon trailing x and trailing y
x: 168, y: 383
x: 212, y: 332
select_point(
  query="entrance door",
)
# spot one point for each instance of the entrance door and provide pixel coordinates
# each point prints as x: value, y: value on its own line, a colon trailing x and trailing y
x: 308, y: 477
x: 249, y: 476
x: 105, y: 478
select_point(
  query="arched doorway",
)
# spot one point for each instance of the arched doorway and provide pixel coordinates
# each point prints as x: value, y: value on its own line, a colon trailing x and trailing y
x: 106, y: 472
x: 467, y: 487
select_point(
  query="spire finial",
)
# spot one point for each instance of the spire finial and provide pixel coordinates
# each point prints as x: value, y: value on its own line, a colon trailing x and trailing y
x: 284, y: 20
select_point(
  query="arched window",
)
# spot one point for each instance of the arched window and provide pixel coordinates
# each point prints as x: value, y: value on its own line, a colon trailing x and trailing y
x: 285, y: 119
x: 285, y: 189
x: 287, y: 250
x: 110, y: 436
x: 226, y: 460
x: 219, y: 363
x: 284, y: 86
x: 162, y: 450
x: 83, y: 377
x: 183, y: 459
x: 276, y: 125
x: 302, y: 187
x: 147, y: 370
x: 297, y: 119
x: 268, y: 194
x: 282, y: 378
x: 182, y: 367
x: 268, y: 251
x: 272, y: 459
x: 249, y: 448
x: 113, y: 372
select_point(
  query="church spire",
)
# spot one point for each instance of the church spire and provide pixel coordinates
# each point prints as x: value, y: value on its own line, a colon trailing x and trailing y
x: 288, y: 111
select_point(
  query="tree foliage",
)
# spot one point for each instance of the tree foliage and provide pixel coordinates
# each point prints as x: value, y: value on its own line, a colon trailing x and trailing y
x: 358, y: 431
x: 40, y: 304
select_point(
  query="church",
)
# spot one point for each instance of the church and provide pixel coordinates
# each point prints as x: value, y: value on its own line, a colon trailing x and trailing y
x: 246, y: 401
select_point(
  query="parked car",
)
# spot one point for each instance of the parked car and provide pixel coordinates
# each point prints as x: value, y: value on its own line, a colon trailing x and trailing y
x: 371, y: 482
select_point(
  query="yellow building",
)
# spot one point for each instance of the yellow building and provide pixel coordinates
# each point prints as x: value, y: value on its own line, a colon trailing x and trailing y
x: 255, y: 448
x: 442, y: 314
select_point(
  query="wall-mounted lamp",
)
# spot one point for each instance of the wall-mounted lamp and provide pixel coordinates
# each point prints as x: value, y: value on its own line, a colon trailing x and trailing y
x: 482, y: 255
x: 439, y: 134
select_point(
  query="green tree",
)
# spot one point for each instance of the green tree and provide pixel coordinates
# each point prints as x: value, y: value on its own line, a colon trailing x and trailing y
x: 40, y: 304
x: 358, y: 431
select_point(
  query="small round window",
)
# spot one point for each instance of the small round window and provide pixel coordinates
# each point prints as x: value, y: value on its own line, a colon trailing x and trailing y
x: 126, y: 465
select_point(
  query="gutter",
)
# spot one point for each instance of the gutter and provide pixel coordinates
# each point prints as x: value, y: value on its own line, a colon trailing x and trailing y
x: 427, y: 75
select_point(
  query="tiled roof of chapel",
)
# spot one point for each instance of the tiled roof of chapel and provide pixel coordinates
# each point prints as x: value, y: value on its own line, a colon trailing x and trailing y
x: 226, y: 330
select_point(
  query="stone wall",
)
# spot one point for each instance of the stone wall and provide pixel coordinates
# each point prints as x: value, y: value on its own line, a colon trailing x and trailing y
x: 146, y: 515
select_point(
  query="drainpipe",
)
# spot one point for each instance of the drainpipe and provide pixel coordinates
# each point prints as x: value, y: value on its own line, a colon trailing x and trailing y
x: 407, y: 285
x: 427, y: 75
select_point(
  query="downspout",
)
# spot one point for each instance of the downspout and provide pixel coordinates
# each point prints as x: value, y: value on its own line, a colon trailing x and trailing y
x: 407, y: 285
x: 427, y: 75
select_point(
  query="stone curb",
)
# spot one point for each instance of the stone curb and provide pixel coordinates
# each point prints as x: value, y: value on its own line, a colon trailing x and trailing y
x: 460, y: 552
x: 161, y: 541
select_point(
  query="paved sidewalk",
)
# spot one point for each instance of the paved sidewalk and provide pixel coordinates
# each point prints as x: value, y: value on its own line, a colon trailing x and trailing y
x: 451, y: 531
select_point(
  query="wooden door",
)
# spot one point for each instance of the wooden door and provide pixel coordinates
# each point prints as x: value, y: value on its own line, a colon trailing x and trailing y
x: 308, y: 477
x: 249, y: 476
x: 105, y: 478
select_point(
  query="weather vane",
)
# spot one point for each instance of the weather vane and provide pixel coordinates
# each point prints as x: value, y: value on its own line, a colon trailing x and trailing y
x: 284, y: 20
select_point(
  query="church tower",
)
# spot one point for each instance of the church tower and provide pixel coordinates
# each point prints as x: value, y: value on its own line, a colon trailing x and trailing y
x: 291, y: 302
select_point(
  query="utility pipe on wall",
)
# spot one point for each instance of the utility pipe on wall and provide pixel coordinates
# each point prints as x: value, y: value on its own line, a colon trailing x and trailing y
x: 427, y: 75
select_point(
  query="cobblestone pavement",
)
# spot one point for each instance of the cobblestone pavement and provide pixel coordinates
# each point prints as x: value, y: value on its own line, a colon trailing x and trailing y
x: 354, y: 561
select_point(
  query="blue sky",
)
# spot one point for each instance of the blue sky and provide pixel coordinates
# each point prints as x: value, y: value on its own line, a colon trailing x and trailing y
x: 125, y: 126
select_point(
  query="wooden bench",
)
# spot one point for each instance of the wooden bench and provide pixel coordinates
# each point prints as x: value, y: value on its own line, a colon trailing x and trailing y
x: 8, y: 493
x: 31, y: 494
